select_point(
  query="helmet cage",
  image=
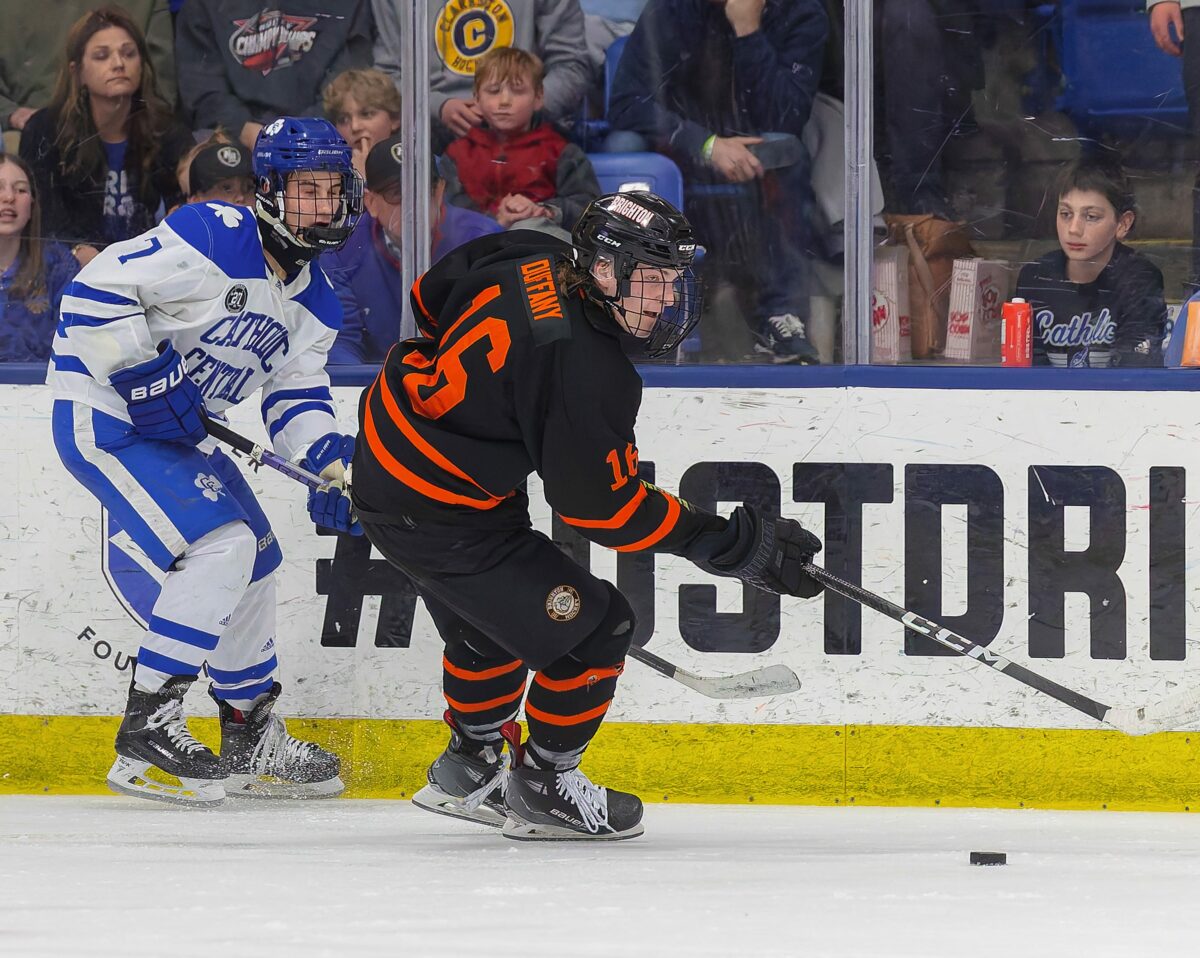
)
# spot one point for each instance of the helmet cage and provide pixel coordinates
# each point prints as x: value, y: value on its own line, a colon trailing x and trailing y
x: 292, y: 145
x: 271, y: 196
x: 675, y: 322
x: 639, y: 229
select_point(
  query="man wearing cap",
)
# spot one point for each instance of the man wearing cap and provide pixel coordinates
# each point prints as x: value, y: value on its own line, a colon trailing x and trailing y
x: 221, y: 171
x: 366, y: 271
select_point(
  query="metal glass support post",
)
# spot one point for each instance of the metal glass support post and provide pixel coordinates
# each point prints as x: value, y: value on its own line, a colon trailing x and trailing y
x: 859, y: 81
x: 415, y: 142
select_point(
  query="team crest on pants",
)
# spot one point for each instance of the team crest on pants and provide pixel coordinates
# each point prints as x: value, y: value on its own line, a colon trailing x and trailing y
x: 210, y: 486
x: 562, y: 604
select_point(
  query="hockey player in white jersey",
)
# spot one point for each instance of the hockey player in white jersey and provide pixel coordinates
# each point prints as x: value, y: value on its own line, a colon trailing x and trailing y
x: 198, y: 314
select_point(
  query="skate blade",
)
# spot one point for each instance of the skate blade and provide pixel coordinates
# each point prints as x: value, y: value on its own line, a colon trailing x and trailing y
x: 433, y: 799
x: 130, y: 776
x: 522, y: 831
x: 254, y: 786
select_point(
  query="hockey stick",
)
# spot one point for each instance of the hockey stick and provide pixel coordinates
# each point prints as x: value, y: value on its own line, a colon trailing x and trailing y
x: 1170, y: 713
x: 259, y: 455
x: 772, y: 680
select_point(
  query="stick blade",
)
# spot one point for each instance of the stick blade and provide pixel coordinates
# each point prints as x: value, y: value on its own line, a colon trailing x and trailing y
x: 757, y: 683
x: 1182, y: 708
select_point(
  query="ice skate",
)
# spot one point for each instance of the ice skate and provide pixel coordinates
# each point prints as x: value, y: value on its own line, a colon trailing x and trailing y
x: 549, y: 805
x: 465, y: 785
x: 263, y: 761
x: 154, y: 734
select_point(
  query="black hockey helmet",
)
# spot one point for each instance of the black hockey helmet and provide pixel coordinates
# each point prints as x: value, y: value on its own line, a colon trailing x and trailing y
x: 641, y: 229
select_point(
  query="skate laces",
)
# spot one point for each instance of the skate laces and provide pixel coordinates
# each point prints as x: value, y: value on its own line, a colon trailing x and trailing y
x: 497, y: 781
x: 278, y: 750
x: 589, y: 798
x: 169, y: 717
x: 787, y: 325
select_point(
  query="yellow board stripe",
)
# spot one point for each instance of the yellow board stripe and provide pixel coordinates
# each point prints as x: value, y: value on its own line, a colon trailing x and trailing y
x: 770, y: 764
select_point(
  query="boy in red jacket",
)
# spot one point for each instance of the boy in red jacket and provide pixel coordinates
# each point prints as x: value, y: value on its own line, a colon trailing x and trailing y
x: 520, y: 172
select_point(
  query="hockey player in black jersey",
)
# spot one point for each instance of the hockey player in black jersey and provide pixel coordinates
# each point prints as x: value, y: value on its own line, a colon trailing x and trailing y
x: 523, y: 366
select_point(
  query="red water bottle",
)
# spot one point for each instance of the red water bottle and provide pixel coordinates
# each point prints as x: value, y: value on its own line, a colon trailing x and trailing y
x: 1016, y: 334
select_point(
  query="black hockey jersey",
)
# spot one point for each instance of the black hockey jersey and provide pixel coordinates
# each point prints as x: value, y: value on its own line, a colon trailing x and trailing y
x: 1116, y: 320
x: 513, y: 375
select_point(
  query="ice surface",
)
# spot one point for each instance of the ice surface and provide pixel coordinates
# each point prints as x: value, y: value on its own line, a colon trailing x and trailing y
x: 116, y: 876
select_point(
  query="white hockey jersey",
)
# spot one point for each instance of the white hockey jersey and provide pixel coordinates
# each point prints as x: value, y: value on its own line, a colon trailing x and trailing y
x: 200, y: 280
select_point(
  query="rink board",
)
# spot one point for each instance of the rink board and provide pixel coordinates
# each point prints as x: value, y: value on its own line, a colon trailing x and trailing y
x: 940, y: 500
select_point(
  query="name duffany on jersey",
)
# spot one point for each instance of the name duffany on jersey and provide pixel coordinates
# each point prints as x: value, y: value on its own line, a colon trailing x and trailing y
x: 1119, y: 319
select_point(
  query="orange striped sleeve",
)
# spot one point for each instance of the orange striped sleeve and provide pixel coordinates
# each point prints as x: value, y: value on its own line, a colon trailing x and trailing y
x: 617, y: 520
x: 664, y: 528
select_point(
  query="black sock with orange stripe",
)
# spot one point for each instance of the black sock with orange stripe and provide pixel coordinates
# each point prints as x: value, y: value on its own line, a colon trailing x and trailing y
x: 566, y: 704
x: 483, y: 693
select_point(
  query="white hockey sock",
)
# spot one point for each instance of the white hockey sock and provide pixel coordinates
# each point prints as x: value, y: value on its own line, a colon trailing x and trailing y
x: 197, y: 598
x: 243, y: 665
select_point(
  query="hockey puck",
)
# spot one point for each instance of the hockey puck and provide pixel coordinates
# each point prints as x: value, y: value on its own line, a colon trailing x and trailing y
x: 989, y: 858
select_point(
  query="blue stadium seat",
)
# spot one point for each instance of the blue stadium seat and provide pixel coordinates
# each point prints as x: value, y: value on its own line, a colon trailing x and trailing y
x: 1115, y: 77
x: 619, y: 172
x: 612, y: 57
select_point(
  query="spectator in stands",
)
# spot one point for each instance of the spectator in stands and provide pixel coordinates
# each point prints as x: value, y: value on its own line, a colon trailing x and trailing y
x: 104, y: 151
x: 184, y: 167
x: 1095, y: 301
x: 1169, y: 21
x: 462, y: 33
x: 516, y: 168
x: 33, y: 273
x: 243, y: 63
x: 605, y: 21
x: 364, y: 105
x: 221, y: 171
x: 31, y: 41
x: 929, y: 57
x: 366, y: 271
x: 700, y: 79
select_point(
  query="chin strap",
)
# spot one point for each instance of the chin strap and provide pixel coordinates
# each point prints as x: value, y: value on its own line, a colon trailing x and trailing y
x: 283, y: 249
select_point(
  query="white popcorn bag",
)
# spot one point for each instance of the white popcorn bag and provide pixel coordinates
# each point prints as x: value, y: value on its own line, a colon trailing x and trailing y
x: 978, y: 289
x: 891, y: 321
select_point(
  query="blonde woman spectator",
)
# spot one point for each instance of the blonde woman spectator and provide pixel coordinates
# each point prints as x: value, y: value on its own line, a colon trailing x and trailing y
x: 32, y: 273
x: 364, y: 105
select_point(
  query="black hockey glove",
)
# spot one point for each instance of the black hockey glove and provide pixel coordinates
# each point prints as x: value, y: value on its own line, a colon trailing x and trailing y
x: 767, y: 552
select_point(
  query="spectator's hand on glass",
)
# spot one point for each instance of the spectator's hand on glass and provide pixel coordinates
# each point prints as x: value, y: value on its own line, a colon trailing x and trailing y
x: 745, y: 16
x: 459, y: 116
x: 249, y: 135
x: 732, y: 159
x: 1164, y: 16
x: 20, y: 116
